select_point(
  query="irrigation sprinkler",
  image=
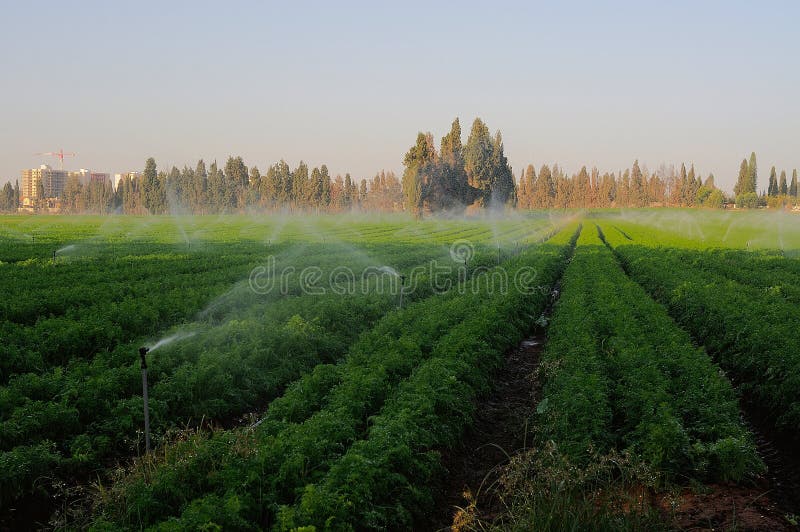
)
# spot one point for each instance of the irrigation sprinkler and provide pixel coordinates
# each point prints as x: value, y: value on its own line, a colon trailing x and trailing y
x: 498, y: 254
x: 54, y: 254
x: 402, y: 284
x: 143, y: 354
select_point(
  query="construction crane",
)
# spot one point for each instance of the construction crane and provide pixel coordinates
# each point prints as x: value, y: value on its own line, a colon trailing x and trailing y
x: 60, y: 154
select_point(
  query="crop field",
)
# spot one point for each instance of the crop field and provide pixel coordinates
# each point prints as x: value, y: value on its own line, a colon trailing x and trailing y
x: 348, y: 372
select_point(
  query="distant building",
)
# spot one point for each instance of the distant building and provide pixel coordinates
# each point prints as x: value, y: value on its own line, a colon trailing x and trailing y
x: 99, y: 177
x: 82, y: 175
x: 52, y: 184
x: 87, y: 176
x: 120, y: 177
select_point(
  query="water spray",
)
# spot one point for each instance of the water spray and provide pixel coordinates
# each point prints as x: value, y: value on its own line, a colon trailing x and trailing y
x: 143, y: 354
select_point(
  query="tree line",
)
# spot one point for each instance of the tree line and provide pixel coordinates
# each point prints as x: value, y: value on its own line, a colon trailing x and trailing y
x: 456, y: 177
x: 779, y: 192
x: 236, y: 188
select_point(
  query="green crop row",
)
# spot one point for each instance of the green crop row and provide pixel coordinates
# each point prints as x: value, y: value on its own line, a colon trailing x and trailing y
x: 87, y: 314
x: 619, y: 374
x: 769, y: 269
x: 55, y: 313
x: 387, y: 479
x: 93, y: 410
x: 314, y: 425
x: 749, y: 330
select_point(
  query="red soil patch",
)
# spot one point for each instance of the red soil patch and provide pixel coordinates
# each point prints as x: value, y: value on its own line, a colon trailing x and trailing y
x: 724, y: 507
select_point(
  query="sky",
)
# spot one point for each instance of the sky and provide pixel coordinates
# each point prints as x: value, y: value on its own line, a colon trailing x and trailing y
x: 349, y: 84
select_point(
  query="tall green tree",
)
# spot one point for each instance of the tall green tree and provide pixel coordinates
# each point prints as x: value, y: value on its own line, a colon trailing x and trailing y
x: 237, y: 183
x: 325, y: 200
x: 793, y: 186
x: 752, y: 174
x: 451, y: 187
x: 349, y: 192
x: 544, y: 189
x: 153, y: 191
x: 581, y: 190
x: 478, y: 161
x: 7, y: 202
x: 772, y: 188
x: 684, y: 185
x: 362, y: 192
x: 217, y: 189
x: 417, y: 161
x: 253, y: 187
x: 199, y: 189
x: 742, y: 181
x: 320, y: 187
x: 783, y: 187
x: 300, y: 185
x: 525, y: 187
x: 503, y: 190
x: 638, y: 196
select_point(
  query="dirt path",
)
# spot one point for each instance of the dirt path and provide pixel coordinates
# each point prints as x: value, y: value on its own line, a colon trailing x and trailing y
x: 499, y: 431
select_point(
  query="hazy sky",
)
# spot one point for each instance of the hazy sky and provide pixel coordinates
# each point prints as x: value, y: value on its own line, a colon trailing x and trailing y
x: 351, y: 84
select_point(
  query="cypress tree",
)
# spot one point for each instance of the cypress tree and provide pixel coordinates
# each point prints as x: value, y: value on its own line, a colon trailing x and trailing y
x: 741, y: 183
x: 503, y: 191
x: 772, y: 188
x: 793, y: 186
x: 417, y: 162
x: 783, y: 187
x: 153, y: 192
x: 362, y: 191
x: 637, y: 192
x: 452, y: 187
x: 544, y: 189
x: 529, y: 178
x: 300, y: 185
x: 216, y: 188
x: 752, y: 175
x: 478, y: 161
x: 684, y: 184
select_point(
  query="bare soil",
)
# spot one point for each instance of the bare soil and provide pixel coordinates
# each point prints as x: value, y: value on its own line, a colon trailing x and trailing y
x: 498, y: 432
x: 722, y: 507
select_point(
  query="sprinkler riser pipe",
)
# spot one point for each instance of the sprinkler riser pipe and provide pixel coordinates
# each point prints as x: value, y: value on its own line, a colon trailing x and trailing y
x: 143, y: 354
x: 146, y: 412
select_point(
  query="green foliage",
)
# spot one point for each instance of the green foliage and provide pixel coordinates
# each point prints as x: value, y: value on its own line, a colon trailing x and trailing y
x: 71, y: 327
x: 619, y: 374
x: 747, y: 200
x: 385, y: 479
x: 412, y: 376
x: 739, y: 305
x: 487, y: 168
